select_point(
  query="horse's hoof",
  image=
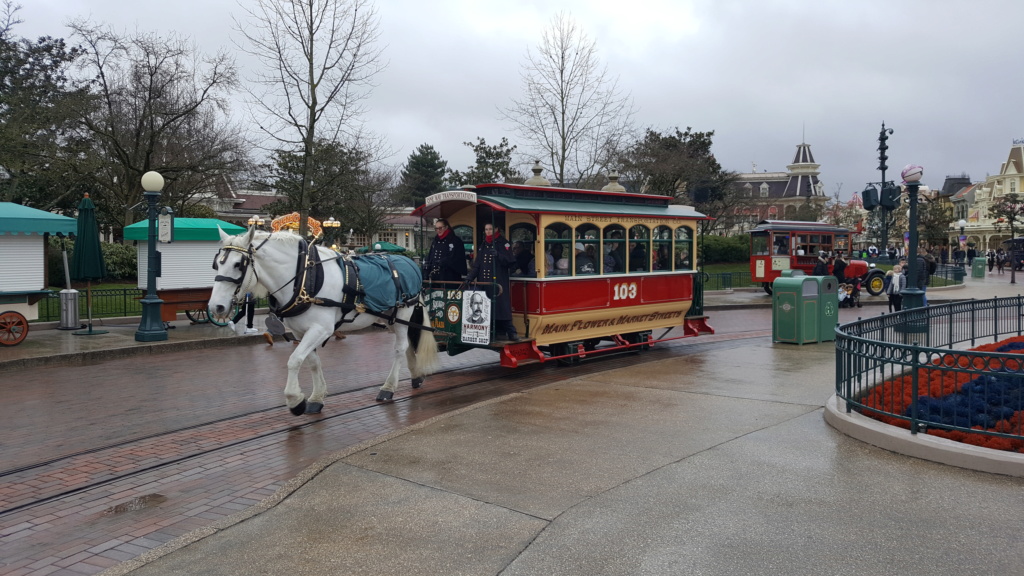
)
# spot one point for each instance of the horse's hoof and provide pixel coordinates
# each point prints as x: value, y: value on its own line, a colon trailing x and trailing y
x: 314, y: 407
x: 299, y: 408
x: 417, y: 382
x: 385, y: 396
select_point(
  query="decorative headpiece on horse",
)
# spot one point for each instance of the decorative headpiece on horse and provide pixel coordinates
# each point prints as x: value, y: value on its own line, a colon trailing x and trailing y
x: 291, y: 222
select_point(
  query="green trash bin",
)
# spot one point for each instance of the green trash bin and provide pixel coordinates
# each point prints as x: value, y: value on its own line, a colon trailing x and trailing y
x: 978, y: 266
x: 795, y: 313
x: 828, y: 307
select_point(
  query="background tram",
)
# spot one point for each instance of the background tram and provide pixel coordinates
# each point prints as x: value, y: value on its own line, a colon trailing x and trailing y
x: 777, y: 245
x: 648, y: 283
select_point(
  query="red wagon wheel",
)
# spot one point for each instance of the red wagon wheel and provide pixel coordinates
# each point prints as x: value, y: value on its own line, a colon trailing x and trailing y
x: 13, y: 328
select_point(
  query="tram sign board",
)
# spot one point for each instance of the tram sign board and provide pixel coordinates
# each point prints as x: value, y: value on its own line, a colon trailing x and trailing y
x: 451, y: 195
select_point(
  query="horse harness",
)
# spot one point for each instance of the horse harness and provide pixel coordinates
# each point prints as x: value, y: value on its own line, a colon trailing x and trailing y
x: 309, y: 279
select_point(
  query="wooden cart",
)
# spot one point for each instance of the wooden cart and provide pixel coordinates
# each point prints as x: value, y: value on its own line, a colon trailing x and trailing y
x: 13, y: 324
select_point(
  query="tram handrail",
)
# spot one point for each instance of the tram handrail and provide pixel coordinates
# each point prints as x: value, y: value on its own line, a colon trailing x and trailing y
x: 913, y: 369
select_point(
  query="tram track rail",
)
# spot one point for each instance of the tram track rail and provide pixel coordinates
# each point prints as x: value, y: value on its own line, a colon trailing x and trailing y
x: 268, y: 420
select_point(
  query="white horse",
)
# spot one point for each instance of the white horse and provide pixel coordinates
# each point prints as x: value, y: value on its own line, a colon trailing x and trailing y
x: 266, y: 263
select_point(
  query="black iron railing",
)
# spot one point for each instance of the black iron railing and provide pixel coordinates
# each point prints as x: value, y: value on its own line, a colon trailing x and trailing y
x: 111, y: 303
x: 913, y: 368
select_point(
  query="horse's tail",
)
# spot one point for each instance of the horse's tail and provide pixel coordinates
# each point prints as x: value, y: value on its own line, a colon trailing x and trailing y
x: 423, y: 341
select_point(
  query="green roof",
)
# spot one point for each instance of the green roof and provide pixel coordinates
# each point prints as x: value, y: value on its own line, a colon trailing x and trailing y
x: 545, y: 206
x: 186, y: 229
x: 18, y: 219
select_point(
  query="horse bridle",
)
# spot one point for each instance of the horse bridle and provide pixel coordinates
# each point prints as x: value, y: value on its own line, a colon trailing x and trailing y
x: 248, y: 254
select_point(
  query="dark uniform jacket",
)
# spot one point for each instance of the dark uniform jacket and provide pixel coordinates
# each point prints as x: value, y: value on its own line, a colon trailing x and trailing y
x: 446, y: 261
x: 491, y: 266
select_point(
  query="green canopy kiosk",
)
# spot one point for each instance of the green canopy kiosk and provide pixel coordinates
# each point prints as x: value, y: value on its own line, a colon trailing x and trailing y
x: 185, y: 279
x: 23, y: 233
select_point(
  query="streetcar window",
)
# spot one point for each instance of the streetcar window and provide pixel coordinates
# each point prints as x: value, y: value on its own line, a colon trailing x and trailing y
x: 585, y: 261
x: 613, y: 250
x: 781, y: 244
x: 684, y: 248
x: 639, y: 248
x: 523, y: 237
x: 558, y: 240
x: 759, y: 243
x: 662, y: 249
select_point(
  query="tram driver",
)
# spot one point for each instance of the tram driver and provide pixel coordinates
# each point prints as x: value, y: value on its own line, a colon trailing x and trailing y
x: 446, y: 261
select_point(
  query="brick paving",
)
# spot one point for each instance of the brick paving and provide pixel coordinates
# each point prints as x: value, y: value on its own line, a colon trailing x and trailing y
x: 190, y: 478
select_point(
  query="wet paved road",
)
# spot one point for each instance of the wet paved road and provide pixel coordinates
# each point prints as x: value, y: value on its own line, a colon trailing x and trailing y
x: 130, y: 486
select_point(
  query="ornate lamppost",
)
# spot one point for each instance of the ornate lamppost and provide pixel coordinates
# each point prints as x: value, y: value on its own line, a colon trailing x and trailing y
x: 913, y: 295
x: 256, y: 221
x: 151, y: 327
x: 331, y: 226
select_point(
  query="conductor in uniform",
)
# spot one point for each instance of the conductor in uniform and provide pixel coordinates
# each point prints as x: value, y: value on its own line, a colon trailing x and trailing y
x: 493, y: 260
x: 446, y: 261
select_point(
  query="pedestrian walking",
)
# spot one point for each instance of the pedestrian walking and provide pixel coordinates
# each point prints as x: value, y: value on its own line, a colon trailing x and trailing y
x: 897, y: 283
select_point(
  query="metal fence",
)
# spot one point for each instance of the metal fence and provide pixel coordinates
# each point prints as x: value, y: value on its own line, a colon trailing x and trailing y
x: 913, y: 369
x: 112, y: 303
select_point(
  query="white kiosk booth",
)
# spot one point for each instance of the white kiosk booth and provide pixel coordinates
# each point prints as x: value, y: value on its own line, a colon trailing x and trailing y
x: 23, y: 233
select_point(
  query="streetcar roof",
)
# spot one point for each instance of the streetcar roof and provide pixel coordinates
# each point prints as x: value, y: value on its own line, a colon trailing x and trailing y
x: 549, y: 200
x: 795, y: 226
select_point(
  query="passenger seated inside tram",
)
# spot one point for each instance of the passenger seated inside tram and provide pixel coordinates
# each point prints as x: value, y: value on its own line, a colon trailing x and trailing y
x: 638, y: 257
x: 609, y: 263
x: 584, y: 263
x: 524, y: 260
x: 553, y: 259
x: 782, y: 245
x: 663, y: 260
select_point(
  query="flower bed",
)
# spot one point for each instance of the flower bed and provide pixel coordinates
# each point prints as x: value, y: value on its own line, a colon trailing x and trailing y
x: 992, y: 401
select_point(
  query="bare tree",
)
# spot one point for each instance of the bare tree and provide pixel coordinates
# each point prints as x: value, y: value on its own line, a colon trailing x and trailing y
x: 319, y: 59
x: 573, y: 113
x: 159, y: 105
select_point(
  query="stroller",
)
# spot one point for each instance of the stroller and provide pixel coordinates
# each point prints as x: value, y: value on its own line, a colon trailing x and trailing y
x: 849, y: 294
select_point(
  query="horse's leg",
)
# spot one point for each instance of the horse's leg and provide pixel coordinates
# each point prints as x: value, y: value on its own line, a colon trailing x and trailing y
x: 421, y: 355
x: 387, y: 391
x: 294, y: 399
x: 316, y: 398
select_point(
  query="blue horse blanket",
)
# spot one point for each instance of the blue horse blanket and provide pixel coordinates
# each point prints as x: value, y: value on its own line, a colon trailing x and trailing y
x: 378, y: 286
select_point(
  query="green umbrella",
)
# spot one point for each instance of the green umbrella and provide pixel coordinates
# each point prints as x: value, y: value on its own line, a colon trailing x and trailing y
x: 87, y: 259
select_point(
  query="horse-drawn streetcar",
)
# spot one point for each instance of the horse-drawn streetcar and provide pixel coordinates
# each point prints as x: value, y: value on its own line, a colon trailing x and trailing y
x: 609, y: 268
x: 612, y: 268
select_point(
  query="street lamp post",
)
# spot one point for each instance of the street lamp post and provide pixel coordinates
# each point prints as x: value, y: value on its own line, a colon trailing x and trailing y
x: 962, y: 242
x: 256, y: 221
x: 151, y: 327
x: 330, y: 225
x: 913, y: 295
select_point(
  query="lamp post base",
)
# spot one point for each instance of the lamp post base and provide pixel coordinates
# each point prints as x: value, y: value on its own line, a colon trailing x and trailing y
x: 151, y: 328
x: 916, y: 313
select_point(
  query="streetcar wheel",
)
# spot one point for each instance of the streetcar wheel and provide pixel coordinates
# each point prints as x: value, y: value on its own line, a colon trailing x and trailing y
x: 13, y: 328
x: 767, y: 288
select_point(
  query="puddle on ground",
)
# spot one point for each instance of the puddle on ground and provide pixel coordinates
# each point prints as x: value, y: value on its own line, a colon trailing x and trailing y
x: 137, y: 503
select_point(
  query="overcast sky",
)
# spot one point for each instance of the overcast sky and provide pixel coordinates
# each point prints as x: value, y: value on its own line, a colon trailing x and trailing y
x: 764, y: 75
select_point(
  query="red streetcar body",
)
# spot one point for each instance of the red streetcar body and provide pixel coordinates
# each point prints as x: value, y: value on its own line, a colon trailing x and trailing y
x: 640, y: 247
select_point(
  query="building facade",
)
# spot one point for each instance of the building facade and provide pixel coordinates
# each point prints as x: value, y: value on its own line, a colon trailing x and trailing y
x: 796, y: 194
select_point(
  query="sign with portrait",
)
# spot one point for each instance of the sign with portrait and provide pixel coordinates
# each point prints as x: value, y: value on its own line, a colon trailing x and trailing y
x: 476, y: 317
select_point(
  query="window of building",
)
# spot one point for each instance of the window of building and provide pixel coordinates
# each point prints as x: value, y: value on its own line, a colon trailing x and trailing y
x: 764, y: 190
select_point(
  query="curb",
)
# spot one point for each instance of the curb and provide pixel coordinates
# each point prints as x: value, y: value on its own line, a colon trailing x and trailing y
x: 923, y: 446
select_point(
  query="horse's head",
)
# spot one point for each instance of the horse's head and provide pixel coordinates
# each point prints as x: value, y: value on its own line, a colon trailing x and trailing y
x: 235, y: 274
